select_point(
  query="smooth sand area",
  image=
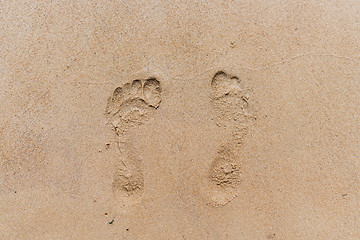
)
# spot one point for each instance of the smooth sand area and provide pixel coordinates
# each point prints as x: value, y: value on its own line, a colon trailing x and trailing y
x: 179, y: 119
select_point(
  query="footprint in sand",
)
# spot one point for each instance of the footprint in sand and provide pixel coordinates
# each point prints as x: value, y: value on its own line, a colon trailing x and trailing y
x: 230, y: 100
x: 129, y: 106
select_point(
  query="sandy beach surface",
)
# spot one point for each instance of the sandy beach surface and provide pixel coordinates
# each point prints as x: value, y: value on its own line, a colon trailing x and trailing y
x: 179, y: 119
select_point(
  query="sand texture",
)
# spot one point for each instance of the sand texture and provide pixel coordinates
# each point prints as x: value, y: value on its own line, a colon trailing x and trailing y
x: 216, y: 120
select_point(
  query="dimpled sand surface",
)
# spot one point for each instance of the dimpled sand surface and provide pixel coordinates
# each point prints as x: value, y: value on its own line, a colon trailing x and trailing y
x: 179, y: 119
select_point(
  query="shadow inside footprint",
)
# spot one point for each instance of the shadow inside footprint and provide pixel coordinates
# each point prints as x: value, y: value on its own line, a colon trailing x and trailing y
x: 152, y: 92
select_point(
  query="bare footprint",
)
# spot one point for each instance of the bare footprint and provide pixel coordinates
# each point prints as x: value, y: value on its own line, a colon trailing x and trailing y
x: 233, y: 112
x: 230, y: 99
x: 225, y: 177
x: 129, y: 106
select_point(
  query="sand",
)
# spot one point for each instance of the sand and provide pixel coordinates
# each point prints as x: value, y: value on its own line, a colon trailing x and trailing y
x: 179, y: 119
